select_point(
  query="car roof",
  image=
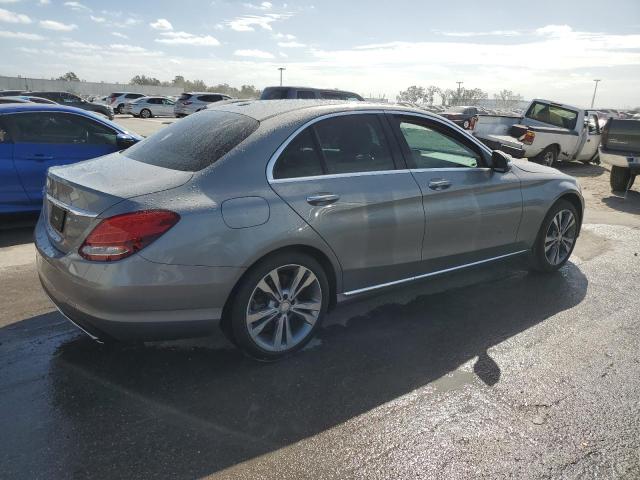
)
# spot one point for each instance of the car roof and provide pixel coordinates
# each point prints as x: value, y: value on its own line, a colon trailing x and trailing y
x: 263, y: 109
x: 48, y: 107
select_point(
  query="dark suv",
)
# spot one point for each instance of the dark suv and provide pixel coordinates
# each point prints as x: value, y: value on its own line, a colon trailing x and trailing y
x: 72, y: 100
x: 281, y: 93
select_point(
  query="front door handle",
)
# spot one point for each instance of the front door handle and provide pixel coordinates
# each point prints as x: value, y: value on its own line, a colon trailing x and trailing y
x: 322, y: 199
x: 439, y: 184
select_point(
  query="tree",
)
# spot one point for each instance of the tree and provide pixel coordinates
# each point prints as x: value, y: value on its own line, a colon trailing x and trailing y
x: 413, y: 94
x: 507, y: 99
x: 466, y: 96
x: 69, y: 77
x: 429, y: 94
x: 144, y: 80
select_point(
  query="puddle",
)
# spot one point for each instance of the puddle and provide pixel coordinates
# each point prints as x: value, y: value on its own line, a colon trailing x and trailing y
x: 454, y: 381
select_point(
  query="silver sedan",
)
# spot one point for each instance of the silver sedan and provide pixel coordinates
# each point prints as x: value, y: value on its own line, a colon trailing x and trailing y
x: 147, y: 107
x: 259, y: 217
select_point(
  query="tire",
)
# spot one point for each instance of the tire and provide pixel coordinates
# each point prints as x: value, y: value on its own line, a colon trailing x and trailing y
x: 274, y: 316
x: 619, y: 178
x: 542, y: 257
x: 120, y: 109
x: 466, y: 124
x: 145, y: 113
x: 549, y: 156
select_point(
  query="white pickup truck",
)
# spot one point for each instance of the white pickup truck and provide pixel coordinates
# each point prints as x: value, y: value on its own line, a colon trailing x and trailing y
x: 548, y: 132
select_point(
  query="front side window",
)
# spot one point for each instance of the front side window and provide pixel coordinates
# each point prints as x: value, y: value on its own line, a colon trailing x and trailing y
x: 432, y: 149
x: 60, y: 128
x: 553, y: 115
x: 194, y: 142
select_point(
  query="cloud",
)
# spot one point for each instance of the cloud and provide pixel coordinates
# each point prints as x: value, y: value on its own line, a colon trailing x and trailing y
x: 554, y: 30
x: 20, y: 35
x: 253, y: 54
x: 492, y: 33
x: 184, y: 38
x: 284, y: 36
x: 261, y: 6
x: 12, y: 17
x: 44, y: 2
x: 77, y: 6
x: 161, y: 24
x: 57, y: 26
x: 97, y: 19
x: 9, y: 1
x: 75, y: 45
x: 247, y: 23
x: 291, y: 44
x: 119, y: 35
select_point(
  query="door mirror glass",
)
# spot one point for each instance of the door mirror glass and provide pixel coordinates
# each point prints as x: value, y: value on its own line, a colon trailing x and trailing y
x: 124, y: 141
x: 499, y: 161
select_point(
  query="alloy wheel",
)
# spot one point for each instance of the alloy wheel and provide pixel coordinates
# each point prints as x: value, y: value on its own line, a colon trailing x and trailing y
x: 283, y: 308
x: 560, y: 237
x: 548, y: 159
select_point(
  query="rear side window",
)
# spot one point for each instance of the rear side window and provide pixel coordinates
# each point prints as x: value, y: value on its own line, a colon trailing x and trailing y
x: 194, y: 142
x: 553, y: 115
x: 354, y: 143
x: 306, y: 94
x: 185, y: 96
x: 299, y: 159
x: 209, y: 98
x: 133, y: 95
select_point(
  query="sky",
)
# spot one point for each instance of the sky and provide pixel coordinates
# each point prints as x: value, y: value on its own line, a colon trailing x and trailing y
x: 539, y: 49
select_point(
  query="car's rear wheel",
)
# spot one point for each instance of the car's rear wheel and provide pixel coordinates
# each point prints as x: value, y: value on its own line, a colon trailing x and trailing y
x: 620, y: 179
x: 145, y: 113
x: 279, y: 305
x: 556, y: 238
x: 120, y: 108
x: 549, y: 156
x: 466, y: 124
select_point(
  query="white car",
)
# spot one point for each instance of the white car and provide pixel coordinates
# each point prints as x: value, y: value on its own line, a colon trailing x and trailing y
x: 548, y: 132
x: 147, y: 107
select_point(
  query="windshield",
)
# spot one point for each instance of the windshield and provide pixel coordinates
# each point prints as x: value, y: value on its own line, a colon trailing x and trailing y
x: 194, y: 142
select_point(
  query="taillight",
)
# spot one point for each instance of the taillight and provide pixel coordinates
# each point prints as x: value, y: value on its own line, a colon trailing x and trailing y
x: 529, y: 137
x: 123, y: 235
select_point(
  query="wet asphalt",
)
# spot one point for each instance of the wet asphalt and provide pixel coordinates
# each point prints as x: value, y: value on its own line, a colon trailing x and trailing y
x: 490, y: 373
x: 494, y: 372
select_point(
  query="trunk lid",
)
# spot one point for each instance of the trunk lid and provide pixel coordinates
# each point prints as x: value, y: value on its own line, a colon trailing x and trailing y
x: 77, y: 194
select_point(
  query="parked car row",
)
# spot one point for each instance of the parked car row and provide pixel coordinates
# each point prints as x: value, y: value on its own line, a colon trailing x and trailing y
x: 62, y: 98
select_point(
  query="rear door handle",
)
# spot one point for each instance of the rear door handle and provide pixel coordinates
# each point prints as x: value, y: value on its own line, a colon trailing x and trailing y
x: 322, y: 199
x: 39, y: 157
x: 439, y: 184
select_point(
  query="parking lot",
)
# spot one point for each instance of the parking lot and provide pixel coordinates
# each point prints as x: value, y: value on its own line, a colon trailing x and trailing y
x: 495, y: 372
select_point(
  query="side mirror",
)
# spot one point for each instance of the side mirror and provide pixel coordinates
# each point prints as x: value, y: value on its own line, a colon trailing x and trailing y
x: 124, y: 141
x: 500, y: 161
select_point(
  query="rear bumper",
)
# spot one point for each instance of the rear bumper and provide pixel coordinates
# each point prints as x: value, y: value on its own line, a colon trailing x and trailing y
x: 134, y: 299
x: 628, y: 160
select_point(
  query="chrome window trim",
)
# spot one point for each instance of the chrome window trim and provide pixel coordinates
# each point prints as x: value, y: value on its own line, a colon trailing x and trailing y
x: 442, y: 121
x: 431, y: 274
x: 338, y: 175
x: 449, y: 169
x: 75, y: 210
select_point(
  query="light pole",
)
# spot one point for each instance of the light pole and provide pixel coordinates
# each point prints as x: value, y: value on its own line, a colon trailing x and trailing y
x: 595, y: 89
x: 281, y: 69
x: 459, y: 83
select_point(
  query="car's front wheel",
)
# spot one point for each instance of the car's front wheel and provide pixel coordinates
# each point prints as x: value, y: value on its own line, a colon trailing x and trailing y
x: 145, y: 113
x: 279, y: 305
x: 556, y: 237
x: 620, y: 179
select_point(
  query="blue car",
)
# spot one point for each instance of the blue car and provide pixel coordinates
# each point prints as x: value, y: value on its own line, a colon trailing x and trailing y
x: 34, y: 137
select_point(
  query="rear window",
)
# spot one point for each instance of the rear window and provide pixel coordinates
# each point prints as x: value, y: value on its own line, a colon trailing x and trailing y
x: 553, y: 115
x: 194, y: 142
x: 185, y: 96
